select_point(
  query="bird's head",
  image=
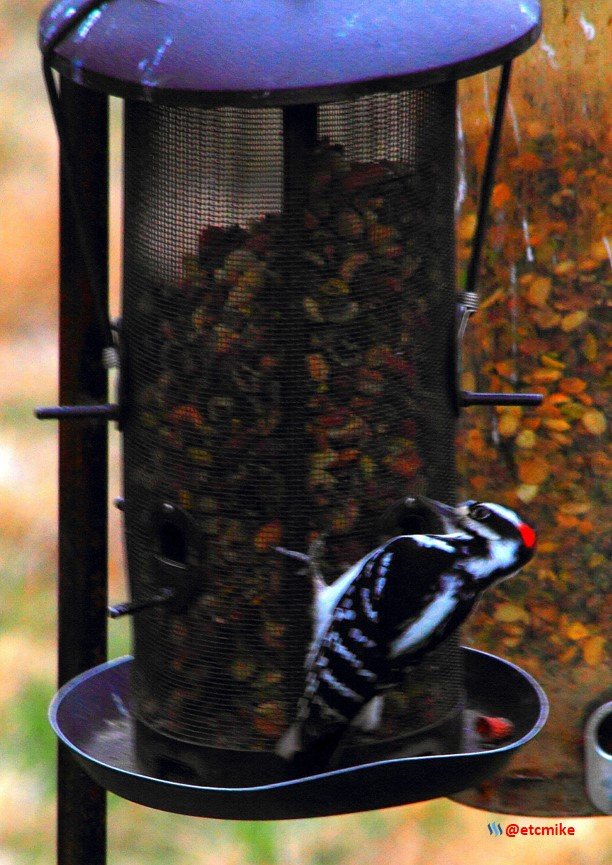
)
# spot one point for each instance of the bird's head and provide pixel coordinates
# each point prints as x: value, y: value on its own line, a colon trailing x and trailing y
x: 496, y: 522
x: 506, y: 541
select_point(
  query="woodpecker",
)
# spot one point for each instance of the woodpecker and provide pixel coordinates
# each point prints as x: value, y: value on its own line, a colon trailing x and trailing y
x: 390, y: 609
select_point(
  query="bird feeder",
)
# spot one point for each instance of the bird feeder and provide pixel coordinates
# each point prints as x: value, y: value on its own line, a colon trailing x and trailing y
x: 289, y: 350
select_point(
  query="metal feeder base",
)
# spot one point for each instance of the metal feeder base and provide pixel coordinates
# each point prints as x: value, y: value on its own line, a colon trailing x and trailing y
x: 91, y: 715
x: 160, y: 755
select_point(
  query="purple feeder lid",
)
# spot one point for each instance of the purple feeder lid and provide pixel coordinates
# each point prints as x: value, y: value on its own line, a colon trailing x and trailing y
x: 278, y: 52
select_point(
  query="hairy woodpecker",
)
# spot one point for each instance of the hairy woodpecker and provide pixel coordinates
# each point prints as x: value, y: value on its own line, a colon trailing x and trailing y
x: 391, y: 608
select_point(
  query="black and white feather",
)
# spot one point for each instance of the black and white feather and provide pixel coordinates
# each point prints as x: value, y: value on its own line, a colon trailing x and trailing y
x: 390, y: 609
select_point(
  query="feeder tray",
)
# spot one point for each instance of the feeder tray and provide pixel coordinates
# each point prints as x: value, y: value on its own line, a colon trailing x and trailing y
x: 91, y: 715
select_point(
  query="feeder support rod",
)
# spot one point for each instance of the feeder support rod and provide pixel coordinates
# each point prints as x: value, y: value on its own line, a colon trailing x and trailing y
x: 488, y: 178
x: 469, y: 303
x: 83, y: 220
x: 82, y: 571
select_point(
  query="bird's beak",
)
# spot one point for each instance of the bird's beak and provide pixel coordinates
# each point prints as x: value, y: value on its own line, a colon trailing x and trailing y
x: 449, y: 516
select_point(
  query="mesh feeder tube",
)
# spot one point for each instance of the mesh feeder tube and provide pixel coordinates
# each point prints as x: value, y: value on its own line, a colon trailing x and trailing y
x: 288, y: 336
x: 287, y: 383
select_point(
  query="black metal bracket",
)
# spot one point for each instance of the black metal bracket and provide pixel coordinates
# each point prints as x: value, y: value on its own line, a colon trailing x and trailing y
x: 82, y: 223
x: 107, y: 412
x: 469, y: 397
x: 177, y: 534
x: 130, y: 607
x: 468, y: 303
x: 465, y: 398
x: 487, y: 181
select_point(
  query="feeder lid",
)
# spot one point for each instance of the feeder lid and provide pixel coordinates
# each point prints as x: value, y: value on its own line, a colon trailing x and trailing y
x: 278, y: 52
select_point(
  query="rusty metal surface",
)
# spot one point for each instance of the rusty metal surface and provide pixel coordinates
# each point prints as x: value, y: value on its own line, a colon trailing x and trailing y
x: 82, y: 469
x: 274, y: 52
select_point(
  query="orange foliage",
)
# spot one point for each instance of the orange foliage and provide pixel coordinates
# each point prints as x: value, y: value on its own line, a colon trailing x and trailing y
x: 268, y: 536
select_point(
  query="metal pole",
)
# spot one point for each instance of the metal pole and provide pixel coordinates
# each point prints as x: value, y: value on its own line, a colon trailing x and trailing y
x: 488, y: 179
x: 299, y: 140
x: 82, y: 585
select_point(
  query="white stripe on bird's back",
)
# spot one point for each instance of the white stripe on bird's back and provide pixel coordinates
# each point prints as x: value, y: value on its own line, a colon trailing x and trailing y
x: 427, y: 620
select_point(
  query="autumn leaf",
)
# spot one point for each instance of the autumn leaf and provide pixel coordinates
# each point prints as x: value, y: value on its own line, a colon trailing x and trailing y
x: 590, y: 347
x: 539, y: 291
x: 576, y: 508
x: 534, y: 471
x: 511, y: 613
x: 556, y: 424
x: 572, y: 385
x: 593, y: 650
x: 573, y: 320
x: 527, y: 161
x: 526, y: 438
x: 564, y: 268
x: 501, y: 194
x: 594, y: 422
x: 552, y: 362
x: 508, y: 424
x: 577, y: 631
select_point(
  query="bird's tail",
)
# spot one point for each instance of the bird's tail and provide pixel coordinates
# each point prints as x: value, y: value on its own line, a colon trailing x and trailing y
x: 290, y: 742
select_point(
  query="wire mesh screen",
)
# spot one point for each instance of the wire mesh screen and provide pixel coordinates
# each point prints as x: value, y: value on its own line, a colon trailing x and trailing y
x: 288, y: 311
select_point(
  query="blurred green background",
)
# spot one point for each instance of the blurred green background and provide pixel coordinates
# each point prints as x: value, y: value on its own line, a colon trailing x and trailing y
x: 569, y: 68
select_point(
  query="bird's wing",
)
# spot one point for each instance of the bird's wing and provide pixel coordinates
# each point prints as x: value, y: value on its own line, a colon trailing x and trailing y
x: 327, y: 599
x: 425, y: 593
x: 407, y: 575
x: 426, y: 627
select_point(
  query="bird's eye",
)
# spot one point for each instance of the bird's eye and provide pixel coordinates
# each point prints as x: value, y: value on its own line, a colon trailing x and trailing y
x: 480, y: 513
